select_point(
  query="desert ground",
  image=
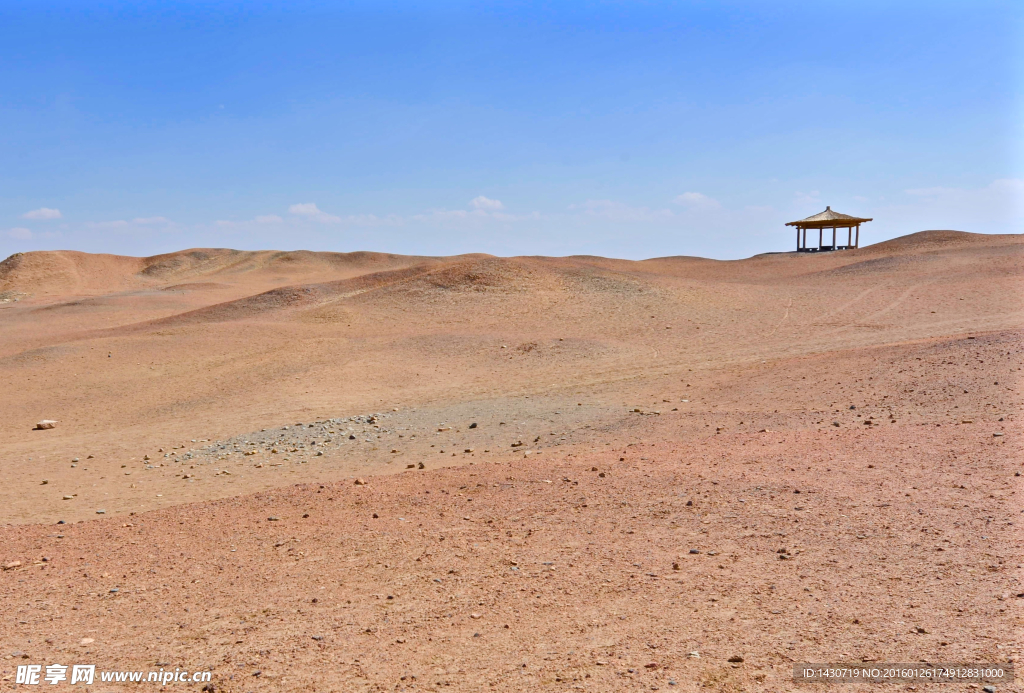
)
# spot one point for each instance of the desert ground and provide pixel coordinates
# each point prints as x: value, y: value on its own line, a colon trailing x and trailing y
x: 308, y: 471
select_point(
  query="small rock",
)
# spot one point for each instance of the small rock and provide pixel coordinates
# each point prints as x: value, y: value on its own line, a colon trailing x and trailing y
x: 997, y: 435
x: 66, y: 497
x: 101, y: 511
x: 273, y: 518
x: 45, y: 425
x: 360, y: 482
x: 474, y: 615
x: 12, y: 565
x: 694, y: 551
x: 735, y: 659
x: 421, y: 466
x: 694, y: 655
x: 44, y: 482
x: 651, y: 665
x: 472, y: 425
x: 989, y: 689
x: 114, y: 590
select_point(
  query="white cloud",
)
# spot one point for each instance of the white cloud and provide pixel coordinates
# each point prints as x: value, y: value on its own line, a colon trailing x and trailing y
x: 486, y: 203
x: 374, y: 220
x: 621, y: 212
x: 42, y: 213
x: 311, y: 211
x: 116, y: 224
x: 1006, y: 188
x: 151, y: 220
x: 20, y: 233
x: 697, y: 200
x: 997, y: 207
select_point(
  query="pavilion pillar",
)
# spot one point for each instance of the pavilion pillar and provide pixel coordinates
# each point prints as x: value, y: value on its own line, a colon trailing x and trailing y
x: 821, y: 233
x: 798, y: 239
x: 849, y: 236
x: 857, y: 244
x: 833, y: 238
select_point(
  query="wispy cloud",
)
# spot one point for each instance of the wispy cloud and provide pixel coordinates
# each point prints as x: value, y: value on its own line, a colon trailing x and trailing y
x: 42, y: 213
x: 20, y: 233
x: 1002, y: 188
x: 612, y: 210
x: 696, y: 200
x: 312, y: 212
x: 151, y: 220
x: 998, y: 206
x: 309, y: 210
x: 115, y: 224
x: 803, y: 199
x: 486, y: 204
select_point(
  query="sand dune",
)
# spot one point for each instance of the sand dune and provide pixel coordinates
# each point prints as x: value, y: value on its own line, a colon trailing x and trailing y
x: 203, y: 391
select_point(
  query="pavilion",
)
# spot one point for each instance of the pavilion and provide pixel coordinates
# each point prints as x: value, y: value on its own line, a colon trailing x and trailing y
x: 827, y: 220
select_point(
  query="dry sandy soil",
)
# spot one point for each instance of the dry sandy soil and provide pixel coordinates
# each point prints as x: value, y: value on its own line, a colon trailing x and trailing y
x: 364, y: 472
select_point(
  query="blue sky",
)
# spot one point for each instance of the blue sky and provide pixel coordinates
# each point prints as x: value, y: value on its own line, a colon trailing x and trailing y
x: 626, y: 129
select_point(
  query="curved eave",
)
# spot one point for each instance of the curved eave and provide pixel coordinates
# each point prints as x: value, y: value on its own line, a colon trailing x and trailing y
x: 837, y: 223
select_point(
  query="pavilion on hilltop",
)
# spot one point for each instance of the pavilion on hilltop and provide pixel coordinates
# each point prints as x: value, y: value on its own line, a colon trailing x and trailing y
x: 828, y: 220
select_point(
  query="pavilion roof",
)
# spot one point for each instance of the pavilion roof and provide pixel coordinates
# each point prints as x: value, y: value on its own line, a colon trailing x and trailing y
x: 828, y: 218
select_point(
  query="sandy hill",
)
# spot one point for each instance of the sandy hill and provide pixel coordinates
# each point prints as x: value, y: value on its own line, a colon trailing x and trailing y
x: 307, y: 471
x: 72, y: 273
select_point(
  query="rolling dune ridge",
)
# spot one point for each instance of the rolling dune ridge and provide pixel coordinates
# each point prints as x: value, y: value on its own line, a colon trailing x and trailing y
x: 315, y: 471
